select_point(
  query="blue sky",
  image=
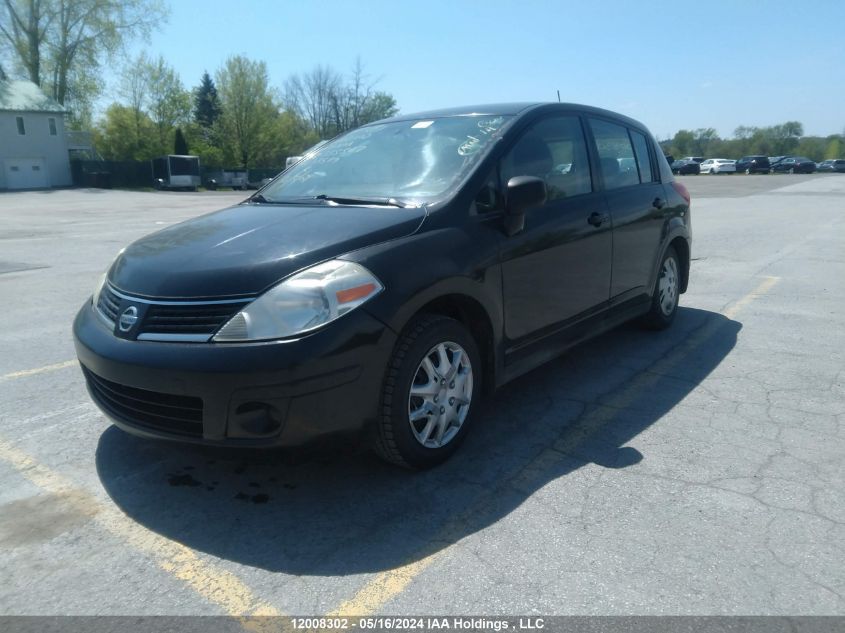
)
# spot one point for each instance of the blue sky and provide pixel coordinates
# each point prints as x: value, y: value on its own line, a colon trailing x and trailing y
x: 671, y: 65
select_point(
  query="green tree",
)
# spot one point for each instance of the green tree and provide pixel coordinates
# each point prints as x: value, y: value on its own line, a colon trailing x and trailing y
x: 683, y: 143
x: 248, y: 112
x: 121, y: 135
x: 180, y: 145
x: 197, y: 138
x: 169, y: 103
x: 134, y: 89
x: 206, y: 102
x: 61, y: 44
x: 704, y: 140
x: 379, y: 105
x: 812, y: 147
x: 834, y: 147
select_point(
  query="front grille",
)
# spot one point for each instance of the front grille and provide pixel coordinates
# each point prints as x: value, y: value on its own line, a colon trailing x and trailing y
x: 108, y: 303
x: 168, y: 320
x: 188, y: 319
x: 179, y: 415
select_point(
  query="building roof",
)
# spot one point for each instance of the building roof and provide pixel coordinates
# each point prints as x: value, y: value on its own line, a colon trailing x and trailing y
x: 25, y: 96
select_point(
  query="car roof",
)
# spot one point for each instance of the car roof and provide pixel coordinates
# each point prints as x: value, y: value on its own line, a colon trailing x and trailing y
x: 511, y: 109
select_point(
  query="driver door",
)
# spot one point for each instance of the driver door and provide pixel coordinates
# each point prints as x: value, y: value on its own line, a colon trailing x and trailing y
x: 557, y: 270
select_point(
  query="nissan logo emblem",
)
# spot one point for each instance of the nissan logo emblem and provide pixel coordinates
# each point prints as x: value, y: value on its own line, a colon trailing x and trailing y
x: 128, y: 319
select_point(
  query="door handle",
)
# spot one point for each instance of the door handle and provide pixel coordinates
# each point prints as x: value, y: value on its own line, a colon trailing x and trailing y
x: 597, y: 219
x: 658, y: 203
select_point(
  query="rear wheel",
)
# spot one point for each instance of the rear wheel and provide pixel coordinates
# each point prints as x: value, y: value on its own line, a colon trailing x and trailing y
x: 664, y: 299
x: 430, y: 393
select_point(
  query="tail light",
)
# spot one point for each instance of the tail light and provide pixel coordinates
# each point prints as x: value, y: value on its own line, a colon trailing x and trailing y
x: 681, y: 190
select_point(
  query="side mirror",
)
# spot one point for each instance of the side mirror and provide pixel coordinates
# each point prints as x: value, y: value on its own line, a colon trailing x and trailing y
x: 523, y: 193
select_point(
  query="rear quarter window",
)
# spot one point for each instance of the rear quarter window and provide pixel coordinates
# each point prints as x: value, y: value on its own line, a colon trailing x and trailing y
x: 643, y: 157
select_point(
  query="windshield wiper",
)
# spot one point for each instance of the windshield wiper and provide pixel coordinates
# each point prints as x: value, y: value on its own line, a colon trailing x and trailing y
x: 386, y: 202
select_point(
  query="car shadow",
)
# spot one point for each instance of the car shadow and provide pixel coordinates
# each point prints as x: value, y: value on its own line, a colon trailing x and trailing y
x: 340, y: 510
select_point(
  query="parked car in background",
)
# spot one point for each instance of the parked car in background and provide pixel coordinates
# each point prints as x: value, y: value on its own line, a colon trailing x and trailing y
x: 293, y: 160
x: 296, y: 315
x: 684, y: 167
x: 754, y: 164
x: 697, y: 159
x: 794, y: 165
x: 832, y: 164
x: 718, y: 166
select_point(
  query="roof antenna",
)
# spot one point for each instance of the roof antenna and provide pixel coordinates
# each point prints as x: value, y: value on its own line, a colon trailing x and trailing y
x: 558, y: 96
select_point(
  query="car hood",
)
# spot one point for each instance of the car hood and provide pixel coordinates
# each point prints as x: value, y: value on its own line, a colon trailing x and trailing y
x: 246, y: 248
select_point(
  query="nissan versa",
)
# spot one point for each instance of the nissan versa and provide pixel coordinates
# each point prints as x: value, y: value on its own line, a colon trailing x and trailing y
x: 378, y: 287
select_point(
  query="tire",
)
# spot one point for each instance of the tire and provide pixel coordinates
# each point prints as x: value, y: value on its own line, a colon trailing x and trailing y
x: 662, y: 312
x: 397, y: 439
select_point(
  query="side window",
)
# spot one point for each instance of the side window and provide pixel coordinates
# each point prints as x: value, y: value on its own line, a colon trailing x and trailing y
x: 554, y: 150
x: 643, y: 160
x: 52, y: 124
x: 490, y: 197
x: 616, y: 156
x: 21, y: 126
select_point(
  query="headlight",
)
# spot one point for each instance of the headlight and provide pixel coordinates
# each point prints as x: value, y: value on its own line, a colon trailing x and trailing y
x: 101, y: 283
x: 301, y: 303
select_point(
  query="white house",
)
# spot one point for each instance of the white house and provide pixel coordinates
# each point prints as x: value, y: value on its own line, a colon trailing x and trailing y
x: 33, y: 145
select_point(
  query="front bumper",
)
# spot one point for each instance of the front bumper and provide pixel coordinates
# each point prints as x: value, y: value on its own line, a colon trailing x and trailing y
x: 274, y: 393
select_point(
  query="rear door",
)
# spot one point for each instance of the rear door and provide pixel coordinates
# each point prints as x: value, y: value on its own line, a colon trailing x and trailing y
x: 635, y: 198
x: 558, y: 268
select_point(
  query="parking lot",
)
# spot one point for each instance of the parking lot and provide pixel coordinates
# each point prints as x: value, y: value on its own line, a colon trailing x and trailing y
x: 694, y: 471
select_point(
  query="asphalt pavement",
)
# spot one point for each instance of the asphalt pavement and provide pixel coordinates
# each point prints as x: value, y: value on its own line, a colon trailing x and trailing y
x: 693, y: 471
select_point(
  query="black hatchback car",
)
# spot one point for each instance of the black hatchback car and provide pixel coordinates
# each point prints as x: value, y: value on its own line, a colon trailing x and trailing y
x: 794, y: 165
x: 753, y: 165
x: 685, y: 167
x: 382, y: 284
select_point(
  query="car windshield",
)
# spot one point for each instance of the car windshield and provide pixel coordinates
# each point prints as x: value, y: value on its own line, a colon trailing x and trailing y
x: 400, y: 162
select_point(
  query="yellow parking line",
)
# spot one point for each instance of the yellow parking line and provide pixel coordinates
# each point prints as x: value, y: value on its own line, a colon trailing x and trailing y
x: 381, y: 589
x: 39, y: 370
x: 388, y: 584
x: 215, y: 585
x: 767, y: 284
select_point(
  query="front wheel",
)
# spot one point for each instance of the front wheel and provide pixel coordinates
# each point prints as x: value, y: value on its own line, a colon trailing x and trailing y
x: 430, y: 393
x: 664, y: 299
